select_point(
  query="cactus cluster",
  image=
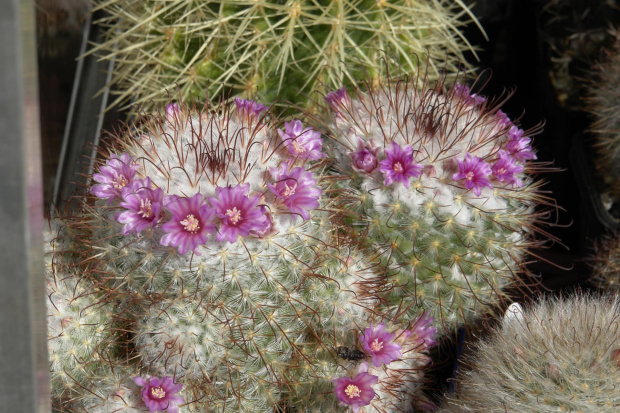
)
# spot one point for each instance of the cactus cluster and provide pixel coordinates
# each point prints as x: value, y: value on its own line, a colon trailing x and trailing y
x: 282, y: 49
x: 604, y: 105
x: 209, y: 248
x: 563, y: 355
x: 439, y: 190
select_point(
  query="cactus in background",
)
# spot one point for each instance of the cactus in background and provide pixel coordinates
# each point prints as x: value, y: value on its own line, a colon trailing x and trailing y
x: 439, y: 192
x: 282, y: 49
x: 604, y: 105
x: 212, y: 228
x: 562, y: 355
x: 605, y: 263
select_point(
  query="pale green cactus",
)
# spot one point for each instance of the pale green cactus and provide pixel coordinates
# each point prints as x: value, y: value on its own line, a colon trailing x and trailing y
x: 562, y: 355
x: 438, y: 191
x: 281, y: 49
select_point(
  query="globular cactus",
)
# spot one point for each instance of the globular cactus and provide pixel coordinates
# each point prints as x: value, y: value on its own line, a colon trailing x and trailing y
x: 439, y: 191
x: 214, y: 230
x: 282, y: 49
x: 562, y: 355
x: 603, y: 103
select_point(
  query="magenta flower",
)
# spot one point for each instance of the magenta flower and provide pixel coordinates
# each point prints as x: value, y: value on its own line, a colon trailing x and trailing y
x: 172, y: 110
x: 296, y: 188
x: 399, y: 165
x: 422, y: 331
x: 264, y: 227
x: 356, y: 392
x: 160, y: 394
x: 337, y: 99
x: 505, y: 169
x: 463, y: 92
x: 117, y: 173
x: 365, y: 157
x: 143, y: 206
x: 380, y: 345
x: 503, y: 121
x: 190, y: 224
x: 519, y: 146
x: 249, y: 110
x: 302, y: 143
x: 475, y: 172
x: 239, y: 214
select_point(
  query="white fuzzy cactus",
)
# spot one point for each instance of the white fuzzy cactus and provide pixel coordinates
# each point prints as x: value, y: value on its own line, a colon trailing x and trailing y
x: 562, y: 355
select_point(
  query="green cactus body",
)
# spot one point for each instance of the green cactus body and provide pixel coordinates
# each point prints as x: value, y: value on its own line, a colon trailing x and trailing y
x: 244, y: 321
x: 560, y: 356
x: 446, y: 242
x: 283, y: 49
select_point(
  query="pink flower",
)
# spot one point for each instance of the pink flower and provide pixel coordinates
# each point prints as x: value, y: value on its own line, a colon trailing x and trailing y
x: 365, y: 157
x: 296, y: 188
x: 463, y: 92
x: 503, y: 121
x: 239, y: 214
x: 172, y: 110
x: 380, y: 345
x: 422, y: 332
x: 117, y: 173
x: 475, y: 172
x: 399, y: 165
x: 160, y: 394
x: 356, y: 392
x: 337, y: 99
x: 143, y: 206
x: 505, y: 169
x: 519, y: 146
x: 302, y: 143
x: 190, y: 224
x: 249, y: 110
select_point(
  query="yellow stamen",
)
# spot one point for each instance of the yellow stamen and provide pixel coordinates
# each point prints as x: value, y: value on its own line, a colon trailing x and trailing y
x: 352, y: 391
x: 234, y: 215
x: 191, y: 224
x: 376, y: 345
x: 158, y: 393
x: 398, y: 168
x: 145, y: 208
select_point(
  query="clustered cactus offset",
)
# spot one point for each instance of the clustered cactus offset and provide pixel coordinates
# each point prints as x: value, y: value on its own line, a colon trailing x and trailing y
x: 439, y: 188
x: 562, y: 355
x: 210, y: 247
x: 282, y: 49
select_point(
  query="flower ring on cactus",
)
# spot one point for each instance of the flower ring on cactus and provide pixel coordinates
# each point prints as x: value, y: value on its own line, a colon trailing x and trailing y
x: 399, y: 165
x: 422, y: 331
x: 160, y: 394
x: 380, y: 345
x: 239, y: 215
x: 519, y: 146
x: 249, y: 110
x: 190, y: 224
x: 296, y: 188
x: 338, y: 99
x: 505, y: 168
x: 356, y: 392
x: 143, y: 206
x: 468, y: 98
x: 365, y: 156
x: 302, y: 143
x: 116, y: 174
x: 475, y: 172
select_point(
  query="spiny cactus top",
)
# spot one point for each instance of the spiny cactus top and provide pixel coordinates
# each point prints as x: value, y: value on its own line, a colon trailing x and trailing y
x: 439, y: 189
x: 563, y: 355
x: 282, y: 49
x: 213, y: 231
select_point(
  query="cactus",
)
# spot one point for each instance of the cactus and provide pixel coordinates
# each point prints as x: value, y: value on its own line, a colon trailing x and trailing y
x: 212, y: 228
x: 562, y: 355
x: 605, y: 263
x: 604, y: 105
x: 440, y: 193
x: 282, y: 49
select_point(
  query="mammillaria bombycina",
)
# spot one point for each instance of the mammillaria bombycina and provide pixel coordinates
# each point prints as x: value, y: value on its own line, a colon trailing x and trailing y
x: 450, y: 211
x: 224, y: 253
